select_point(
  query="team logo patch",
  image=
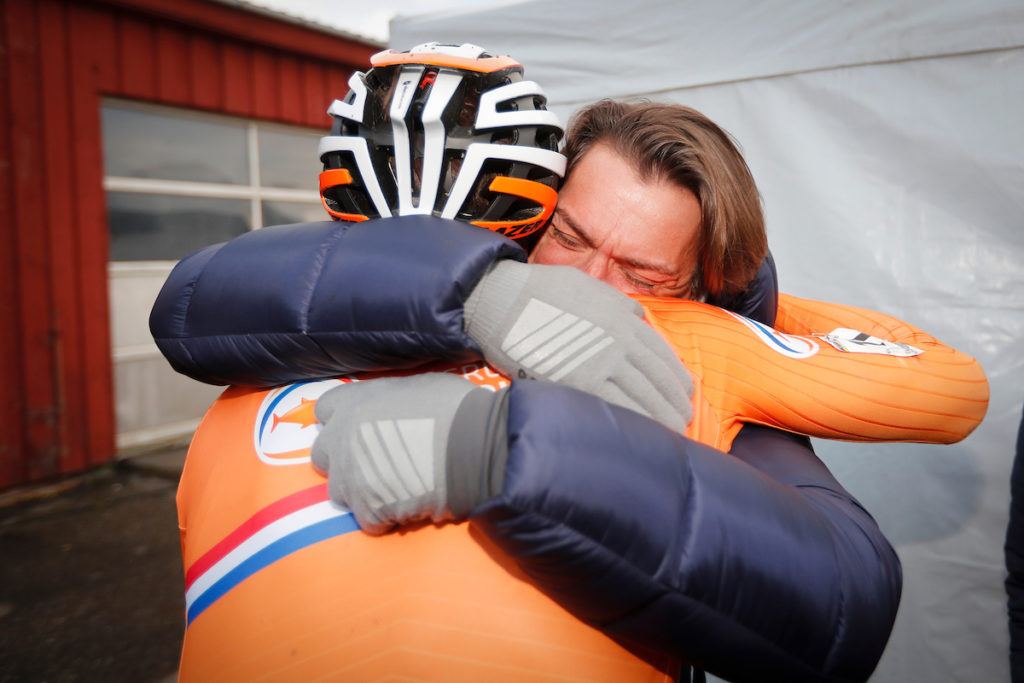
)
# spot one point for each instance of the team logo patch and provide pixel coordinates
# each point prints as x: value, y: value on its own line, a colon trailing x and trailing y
x: 855, y: 341
x: 286, y: 425
x: 786, y: 344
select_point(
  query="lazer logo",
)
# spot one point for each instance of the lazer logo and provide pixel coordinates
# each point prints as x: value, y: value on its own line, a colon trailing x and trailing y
x: 518, y: 231
x: 786, y: 344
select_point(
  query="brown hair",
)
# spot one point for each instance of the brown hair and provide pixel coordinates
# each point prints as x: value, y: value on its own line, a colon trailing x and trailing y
x: 681, y: 144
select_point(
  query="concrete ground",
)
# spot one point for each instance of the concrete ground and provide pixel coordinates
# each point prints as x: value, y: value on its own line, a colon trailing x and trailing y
x: 91, y: 585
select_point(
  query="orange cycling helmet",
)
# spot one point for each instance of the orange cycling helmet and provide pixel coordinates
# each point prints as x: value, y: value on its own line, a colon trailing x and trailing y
x: 445, y: 130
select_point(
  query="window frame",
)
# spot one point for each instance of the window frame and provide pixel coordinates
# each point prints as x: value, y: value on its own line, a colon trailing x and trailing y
x: 255, y: 192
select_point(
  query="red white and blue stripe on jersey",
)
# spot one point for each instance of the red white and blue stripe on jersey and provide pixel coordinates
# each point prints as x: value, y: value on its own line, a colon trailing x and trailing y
x: 276, y: 531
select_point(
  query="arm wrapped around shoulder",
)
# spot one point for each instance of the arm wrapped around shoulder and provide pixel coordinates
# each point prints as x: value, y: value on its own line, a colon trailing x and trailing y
x: 758, y: 567
x: 760, y: 300
x: 316, y: 300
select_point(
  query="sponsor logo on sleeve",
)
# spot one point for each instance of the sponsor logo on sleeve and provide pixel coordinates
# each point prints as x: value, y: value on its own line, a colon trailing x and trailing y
x: 855, y: 341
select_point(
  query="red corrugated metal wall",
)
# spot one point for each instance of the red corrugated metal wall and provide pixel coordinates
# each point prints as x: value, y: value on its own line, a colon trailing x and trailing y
x: 58, y: 59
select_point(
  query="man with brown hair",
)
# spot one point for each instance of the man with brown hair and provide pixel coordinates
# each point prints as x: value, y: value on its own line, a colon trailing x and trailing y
x: 696, y: 230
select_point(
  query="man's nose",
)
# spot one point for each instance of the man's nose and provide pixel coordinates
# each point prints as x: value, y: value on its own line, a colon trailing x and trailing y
x: 595, y: 266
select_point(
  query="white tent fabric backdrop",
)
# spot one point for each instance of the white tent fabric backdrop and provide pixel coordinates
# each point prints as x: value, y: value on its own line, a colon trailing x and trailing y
x: 887, y: 138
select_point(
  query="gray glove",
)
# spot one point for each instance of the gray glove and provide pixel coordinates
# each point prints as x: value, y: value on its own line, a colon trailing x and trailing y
x: 557, y: 324
x: 402, y: 449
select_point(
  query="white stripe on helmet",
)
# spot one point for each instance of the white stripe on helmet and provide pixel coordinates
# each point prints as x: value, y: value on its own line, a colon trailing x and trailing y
x: 480, y: 152
x: 351, y: 110
x: 402, y: 96
x: 360, y: 150
x: 488, y: 115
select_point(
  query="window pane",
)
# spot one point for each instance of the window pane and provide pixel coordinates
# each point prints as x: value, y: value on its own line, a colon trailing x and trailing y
x: 142, y: 144
x: 289, y: 159
x: 146, y: 227
x: 282, y: 213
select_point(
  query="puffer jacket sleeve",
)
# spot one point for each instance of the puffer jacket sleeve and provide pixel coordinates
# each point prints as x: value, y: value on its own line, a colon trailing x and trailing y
x: 760, y: 300
x: 316, y: 300
x: 754, y: 567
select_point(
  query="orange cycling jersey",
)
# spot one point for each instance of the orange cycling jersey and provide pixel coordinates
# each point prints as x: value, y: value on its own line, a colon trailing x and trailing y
x: 278, y: 589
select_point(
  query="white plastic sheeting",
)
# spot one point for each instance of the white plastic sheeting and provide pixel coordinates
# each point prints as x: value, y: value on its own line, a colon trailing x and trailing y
x: 887, y: 137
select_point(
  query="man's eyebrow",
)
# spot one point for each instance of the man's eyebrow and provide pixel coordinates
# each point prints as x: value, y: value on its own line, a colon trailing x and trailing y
x: 660, y: 268
x: 580, y: 232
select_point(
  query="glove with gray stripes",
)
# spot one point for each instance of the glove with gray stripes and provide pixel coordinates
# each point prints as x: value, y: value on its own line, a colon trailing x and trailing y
x: 404, y: 449
x: 557, y: 324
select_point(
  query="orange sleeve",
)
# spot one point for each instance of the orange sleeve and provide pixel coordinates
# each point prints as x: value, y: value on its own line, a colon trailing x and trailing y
x: 789, y: 379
